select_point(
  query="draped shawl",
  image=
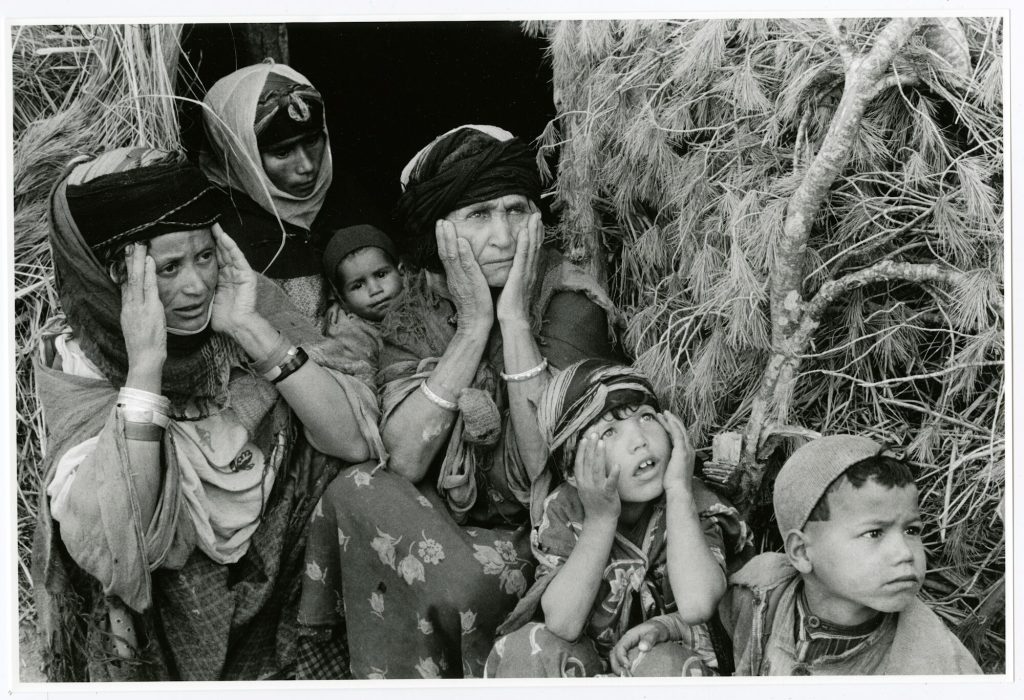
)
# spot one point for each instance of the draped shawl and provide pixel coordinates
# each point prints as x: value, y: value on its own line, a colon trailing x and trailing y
x: 233, y: 160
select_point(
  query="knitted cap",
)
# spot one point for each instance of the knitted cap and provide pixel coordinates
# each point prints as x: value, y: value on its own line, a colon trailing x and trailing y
x: 810, y: 470
x: 350, y: 239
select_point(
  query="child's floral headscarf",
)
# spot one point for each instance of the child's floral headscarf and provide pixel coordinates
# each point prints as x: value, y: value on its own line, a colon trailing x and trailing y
x: 581, y: 394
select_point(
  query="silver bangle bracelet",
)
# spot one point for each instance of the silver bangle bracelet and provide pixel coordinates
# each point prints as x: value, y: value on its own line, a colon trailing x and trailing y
x: 526, y: 374
x: 437, y: 400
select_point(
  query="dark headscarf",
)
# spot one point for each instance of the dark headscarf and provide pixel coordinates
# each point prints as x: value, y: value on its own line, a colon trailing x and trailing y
x: 581, y: 394
x: 134, y: 194
x: 464, y: 166
x: 146, y: 192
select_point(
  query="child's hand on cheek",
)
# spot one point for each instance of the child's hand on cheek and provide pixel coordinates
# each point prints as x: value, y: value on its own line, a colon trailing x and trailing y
x: 679, y: 472
x: 596, y: 482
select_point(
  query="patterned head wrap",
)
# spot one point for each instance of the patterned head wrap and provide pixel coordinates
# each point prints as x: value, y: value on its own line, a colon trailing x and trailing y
x: 469, y: 164
x: 250, y: 108
x: 287, y: 109
x: 578, y: 396
x: 140, y: 194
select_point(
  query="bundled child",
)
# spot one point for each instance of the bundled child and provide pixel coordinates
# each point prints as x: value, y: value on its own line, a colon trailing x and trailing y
x: 362, y: 269
x: 842, y: 599
x: 628, y: 535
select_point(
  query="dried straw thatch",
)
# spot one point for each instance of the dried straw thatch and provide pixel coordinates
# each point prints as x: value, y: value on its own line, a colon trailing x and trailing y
x: 803, y: 219
x: 79, y: 90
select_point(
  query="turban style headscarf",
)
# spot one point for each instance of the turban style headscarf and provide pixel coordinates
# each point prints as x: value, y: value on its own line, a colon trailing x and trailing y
x: 469, y: 164
x: 124, y: 196
x: 581, y: 394
x: 251, y: 110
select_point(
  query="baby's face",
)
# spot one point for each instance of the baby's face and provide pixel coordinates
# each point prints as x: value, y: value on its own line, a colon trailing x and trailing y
x: 368, y: 283
x: 868, y: 555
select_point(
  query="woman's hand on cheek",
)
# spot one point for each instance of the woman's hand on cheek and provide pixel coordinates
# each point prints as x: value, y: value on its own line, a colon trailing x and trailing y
x: 597, y: 484
x: 679, y: 473
x: 466, y: 282
x: 235, y: 300
x: 514, y: 302
x: 142, y: 313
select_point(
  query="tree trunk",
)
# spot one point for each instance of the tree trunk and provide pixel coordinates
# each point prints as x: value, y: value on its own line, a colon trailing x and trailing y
x: 864, y: 79
x: 260, y: 41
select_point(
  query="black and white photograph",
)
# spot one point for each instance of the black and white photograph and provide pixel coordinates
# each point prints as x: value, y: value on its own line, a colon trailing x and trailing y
x: 660, y: 350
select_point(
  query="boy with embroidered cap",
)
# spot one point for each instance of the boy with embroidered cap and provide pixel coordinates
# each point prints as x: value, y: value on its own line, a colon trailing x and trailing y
x: 842, y: 599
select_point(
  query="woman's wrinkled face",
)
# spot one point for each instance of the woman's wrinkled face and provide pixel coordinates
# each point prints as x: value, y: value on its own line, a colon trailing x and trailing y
x: 186, y: 276
x: 492, y: 228
x: 293, y: 165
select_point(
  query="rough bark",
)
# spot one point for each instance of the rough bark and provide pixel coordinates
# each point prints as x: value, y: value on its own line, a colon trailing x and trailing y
x: 260, y: 41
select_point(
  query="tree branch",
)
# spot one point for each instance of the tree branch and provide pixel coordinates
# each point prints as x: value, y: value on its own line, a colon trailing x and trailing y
x: 771, y: 403
x: 838, y: 29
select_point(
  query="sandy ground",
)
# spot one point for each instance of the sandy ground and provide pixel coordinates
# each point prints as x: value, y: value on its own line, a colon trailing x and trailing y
x: 31, y: 661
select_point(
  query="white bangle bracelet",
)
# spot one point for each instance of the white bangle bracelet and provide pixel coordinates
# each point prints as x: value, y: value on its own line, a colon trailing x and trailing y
x: 437, y: 400
x: 140, y: 406
x: 526, y: 374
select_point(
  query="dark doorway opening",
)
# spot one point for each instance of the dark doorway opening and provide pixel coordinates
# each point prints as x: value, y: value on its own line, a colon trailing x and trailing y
x: 390, y: 87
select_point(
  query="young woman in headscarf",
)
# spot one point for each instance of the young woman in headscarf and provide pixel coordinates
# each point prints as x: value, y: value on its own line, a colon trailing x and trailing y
x: 194, y: 418
x: 268, y: 147
x: 428, y: 557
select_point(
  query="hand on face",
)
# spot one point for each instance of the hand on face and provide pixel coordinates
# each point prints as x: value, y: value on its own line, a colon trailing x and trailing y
x: 597, y: 481
x: 514, y: 301
x: 236, y: 285
x: 142, y: 312
x: 466, y: 282
x: 679, y: 473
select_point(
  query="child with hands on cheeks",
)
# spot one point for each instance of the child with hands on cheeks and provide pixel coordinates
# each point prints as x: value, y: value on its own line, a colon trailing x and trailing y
x: 842, y: 599
x: 630, y: 534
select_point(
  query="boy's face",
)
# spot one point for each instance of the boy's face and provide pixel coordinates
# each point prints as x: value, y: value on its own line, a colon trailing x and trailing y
x: 368, y: 283
x: 641, y: 447
x: 867, y: 556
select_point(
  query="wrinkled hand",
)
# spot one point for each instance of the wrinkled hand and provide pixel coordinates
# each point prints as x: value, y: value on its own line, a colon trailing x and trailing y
x: 466, y: 282
x: 514, y: 301
x: 235, y: 299
x: 142, y: 313
x: 643, y: 637
x: 679, y: 473
x: 596, y: 481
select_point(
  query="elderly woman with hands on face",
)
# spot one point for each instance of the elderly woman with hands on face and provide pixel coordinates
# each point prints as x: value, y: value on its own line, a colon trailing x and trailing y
x: 178, y: 481
x: 430, y: 555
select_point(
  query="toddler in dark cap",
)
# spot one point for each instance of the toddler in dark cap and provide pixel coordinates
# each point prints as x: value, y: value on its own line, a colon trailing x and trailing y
x: 362, y: 269
x: 842, y: 599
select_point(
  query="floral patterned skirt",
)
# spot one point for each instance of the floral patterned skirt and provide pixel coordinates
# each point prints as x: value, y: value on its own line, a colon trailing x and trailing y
x: 534, y: 651
x: 419, y: 595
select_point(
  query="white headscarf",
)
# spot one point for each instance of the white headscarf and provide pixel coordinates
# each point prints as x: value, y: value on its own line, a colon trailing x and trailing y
x: 229, y: 121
